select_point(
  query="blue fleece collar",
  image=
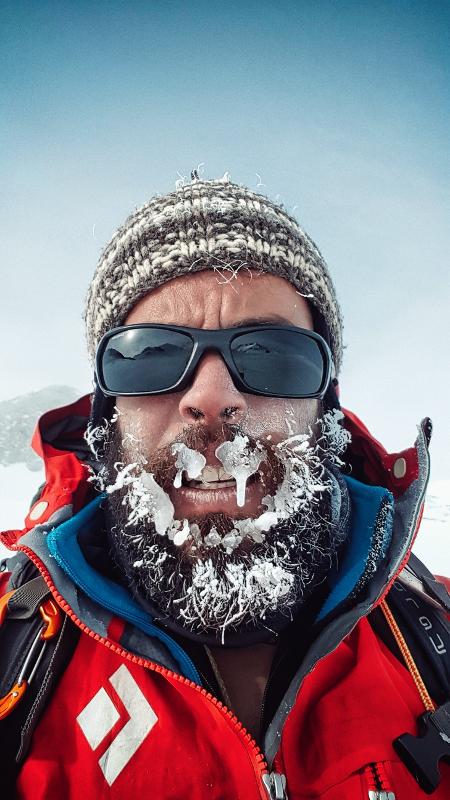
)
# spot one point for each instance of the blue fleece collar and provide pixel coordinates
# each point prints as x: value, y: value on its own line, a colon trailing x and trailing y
x: 63, y: 545
x: 371, y: 522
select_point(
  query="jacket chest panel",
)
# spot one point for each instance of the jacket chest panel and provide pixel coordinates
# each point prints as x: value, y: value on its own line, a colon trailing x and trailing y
x: 349, y: 710
x: 117, y: 729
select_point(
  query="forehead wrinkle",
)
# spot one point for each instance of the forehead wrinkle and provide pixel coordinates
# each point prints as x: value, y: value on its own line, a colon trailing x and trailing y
x: 207, y: 300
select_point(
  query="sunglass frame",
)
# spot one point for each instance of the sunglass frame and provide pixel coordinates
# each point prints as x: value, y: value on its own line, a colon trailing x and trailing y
x: 219, y: 340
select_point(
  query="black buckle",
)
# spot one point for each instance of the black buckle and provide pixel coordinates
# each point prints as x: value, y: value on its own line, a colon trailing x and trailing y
x: 421, y: 754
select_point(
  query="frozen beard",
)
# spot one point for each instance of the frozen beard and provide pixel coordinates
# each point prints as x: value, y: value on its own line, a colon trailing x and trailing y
x: 215, y: 574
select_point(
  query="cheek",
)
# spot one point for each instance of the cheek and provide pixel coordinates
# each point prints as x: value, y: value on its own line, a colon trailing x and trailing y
x: 146, y: 419
x: 279, y: 418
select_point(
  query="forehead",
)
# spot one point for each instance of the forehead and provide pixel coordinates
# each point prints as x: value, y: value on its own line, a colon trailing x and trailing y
x: 222, y: 299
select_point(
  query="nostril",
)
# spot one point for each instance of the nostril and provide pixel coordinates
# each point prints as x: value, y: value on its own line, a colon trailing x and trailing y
x: 229, y: 412
x: 196, y: 413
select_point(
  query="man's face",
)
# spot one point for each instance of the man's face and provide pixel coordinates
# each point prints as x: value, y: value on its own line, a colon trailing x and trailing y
x: 206, y: 300
x: 204, y: 576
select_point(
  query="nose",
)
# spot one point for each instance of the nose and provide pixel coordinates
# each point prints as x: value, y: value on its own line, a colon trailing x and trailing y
x: 212, y: 396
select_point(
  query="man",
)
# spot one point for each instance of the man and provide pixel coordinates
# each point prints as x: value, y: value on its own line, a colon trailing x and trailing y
x: 229, y: 545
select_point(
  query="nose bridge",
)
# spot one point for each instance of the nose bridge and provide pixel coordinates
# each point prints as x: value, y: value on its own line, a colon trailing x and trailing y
x: 212, y: 392
x: 213, y: 340
x: 212, y: 361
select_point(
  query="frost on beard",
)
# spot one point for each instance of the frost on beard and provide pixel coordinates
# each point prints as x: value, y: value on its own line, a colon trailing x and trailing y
x: 245, y: 590
x: 289, y: 545
x: 256, y: 568
x: 188, y: 460
x: 241, y: 462
x: 334, y: 438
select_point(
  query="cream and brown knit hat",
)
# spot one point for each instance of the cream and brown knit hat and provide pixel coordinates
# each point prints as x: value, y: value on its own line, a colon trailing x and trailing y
x: 207, y: 225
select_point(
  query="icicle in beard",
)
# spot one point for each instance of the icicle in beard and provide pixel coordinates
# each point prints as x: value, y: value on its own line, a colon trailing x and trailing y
x: 243, y: 596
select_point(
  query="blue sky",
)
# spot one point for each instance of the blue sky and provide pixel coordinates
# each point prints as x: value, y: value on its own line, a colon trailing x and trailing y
x: 341, y: 108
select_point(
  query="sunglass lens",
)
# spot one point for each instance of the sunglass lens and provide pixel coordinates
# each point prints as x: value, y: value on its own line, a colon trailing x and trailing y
x: 281, y: 363
x: 142, y: 360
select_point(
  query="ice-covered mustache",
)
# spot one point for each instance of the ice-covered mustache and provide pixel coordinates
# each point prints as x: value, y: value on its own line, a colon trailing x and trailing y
x: 239, y: 460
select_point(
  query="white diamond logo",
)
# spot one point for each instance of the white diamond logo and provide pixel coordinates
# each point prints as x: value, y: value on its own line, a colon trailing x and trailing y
x: 100, y: 715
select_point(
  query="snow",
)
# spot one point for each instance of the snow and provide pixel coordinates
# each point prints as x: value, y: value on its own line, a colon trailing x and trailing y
x: 154, y: 502
x: 241, y: 462
x: 213, y: 538
x: 432, y: 543
x: 189, y: 461
x: 183, y: 534
x: 258, y: 586
x: 18, y: 418
x: 123, y: 478
x: 18, y: 485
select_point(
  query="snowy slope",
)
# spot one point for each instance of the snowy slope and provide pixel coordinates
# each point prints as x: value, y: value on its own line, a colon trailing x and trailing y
x: 432, y: 543
x: 18, y: 418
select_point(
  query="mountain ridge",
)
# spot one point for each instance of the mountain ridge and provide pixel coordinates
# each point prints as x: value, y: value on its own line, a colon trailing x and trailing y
x: 18, y: 418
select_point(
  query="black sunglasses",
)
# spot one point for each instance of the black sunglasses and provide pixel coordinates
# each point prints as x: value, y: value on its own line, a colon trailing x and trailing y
x: 270, y: 360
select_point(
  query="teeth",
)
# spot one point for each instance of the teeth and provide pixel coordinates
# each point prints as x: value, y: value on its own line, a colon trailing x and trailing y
x: 211, y: 477
x: 212, y: 484
x: 214, y: 477
x: 211, y: 474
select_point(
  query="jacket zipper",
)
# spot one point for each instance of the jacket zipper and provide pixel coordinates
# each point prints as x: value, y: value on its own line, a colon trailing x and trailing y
x: 378, y: 787
x: 275, y: 786
x: 268, y: 786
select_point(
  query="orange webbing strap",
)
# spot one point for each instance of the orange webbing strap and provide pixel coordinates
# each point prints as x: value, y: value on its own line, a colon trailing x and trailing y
x: 406, y: 653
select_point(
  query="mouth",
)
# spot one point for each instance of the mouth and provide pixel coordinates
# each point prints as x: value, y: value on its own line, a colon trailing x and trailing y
x: 215, y: 491
x: 213, y: 478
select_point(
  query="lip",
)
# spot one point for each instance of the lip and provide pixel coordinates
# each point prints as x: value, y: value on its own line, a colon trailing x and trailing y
x: 191, y: 502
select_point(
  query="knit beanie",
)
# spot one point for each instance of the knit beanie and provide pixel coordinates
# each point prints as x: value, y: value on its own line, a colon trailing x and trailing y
x: 215, y: 225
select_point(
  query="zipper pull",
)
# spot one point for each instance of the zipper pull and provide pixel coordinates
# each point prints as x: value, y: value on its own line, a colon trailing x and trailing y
x: 275, y: 785
x: 378, y: 784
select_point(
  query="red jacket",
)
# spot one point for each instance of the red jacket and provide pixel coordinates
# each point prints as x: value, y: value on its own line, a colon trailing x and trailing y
x: 128, y: 717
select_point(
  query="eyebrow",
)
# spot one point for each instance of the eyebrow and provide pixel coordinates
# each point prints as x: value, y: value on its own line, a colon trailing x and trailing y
x: 261, y: 321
